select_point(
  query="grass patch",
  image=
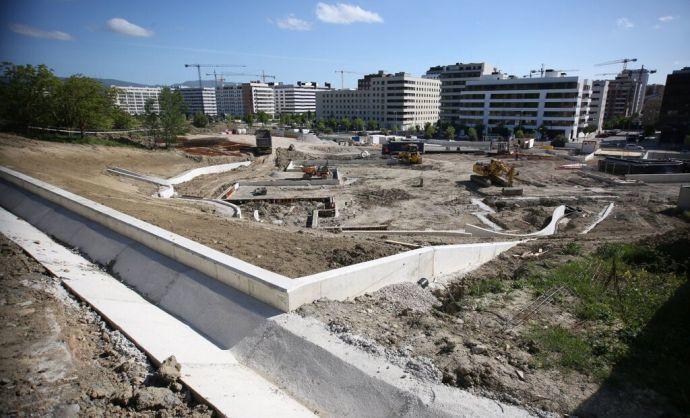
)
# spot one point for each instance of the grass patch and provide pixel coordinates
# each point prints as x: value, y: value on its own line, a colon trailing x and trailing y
x: 485, y: 286
x: 633, y: 306
x: 87, y: 140
x: 572, y: 248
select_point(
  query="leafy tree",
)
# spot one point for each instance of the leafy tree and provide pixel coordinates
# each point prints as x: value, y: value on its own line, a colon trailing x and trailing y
x: 429, y: 130
x: 372, y: 124
x: 481, y: 129
x: 263, y: 117
x: 346, y: 123
x: 449, y: 132
x: 559, y: 141
x: 249, y: 119
x: 649, y: 130
x: 84, y: 103
x: 589, y: 129
x: 472, y: 134
x: 172, y: 115
x: 151, y: 122
x: 200, y: 120
x: 332, y: 123
x: 502, y: 130
x: 358, y: 124
x: 321, y: 126
x: 519, y: 134
x: 123, y: 120
x: 543, y: 132
x: 27, y: 94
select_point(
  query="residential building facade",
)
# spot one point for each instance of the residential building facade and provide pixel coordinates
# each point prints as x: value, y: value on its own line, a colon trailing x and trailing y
x: 674, y: 118
x: 559, y: 103
x: 597, y: 106
x: 199, y: 100
x: 626, y: 92
x: 229, y: 100
x: 652, y: 104
x: 133, y: 99
x: 453, y: 80
x: 397, y: 100
x: 297, y: 98
x: 258, y: 97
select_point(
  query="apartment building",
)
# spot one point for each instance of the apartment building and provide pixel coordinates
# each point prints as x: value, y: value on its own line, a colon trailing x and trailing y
x: 453, y: 79
x: 558, y: 102
x: 674, y: 118
x: 258, y: 97
x: 626, y: 93
x: 397, y: 100
x: 132, y: 99
x: 597, y: 108
x: 199, y: 100
x: 229, y: 100
x: 297, y: 98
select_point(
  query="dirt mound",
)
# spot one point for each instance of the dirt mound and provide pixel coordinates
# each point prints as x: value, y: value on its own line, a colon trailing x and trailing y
x: 383, y: 197
x: 285, y: 155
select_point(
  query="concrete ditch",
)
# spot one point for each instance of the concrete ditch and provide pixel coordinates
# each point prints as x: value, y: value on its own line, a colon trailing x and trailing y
x: 191, y: 282
x: 549, y: 229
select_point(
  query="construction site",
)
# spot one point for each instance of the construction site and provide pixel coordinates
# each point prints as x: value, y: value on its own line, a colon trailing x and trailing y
x: 439, y: 278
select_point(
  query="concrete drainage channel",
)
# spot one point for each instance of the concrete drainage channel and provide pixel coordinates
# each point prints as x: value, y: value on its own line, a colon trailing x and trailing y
x: 238, y: 308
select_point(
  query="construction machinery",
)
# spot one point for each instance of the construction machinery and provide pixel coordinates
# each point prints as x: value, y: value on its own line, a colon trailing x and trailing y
x: 410, y: 154
x: 342, y: 76
x: 494, y: 172
x: 221, y: 76
x: 200, y: 66
x: 264, y: 142
x: 623, y: 61
x: 320, y: 171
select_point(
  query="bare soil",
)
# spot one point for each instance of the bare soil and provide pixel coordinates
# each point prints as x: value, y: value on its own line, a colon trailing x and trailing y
x: 58, y: 357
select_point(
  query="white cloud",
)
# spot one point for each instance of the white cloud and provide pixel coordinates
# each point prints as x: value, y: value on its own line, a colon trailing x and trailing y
x: 293, y: 23
x: 666, y: 18
x: 342, y: 13
x: 624, y: 23
x: 38, y: 33
x: 122, y: 26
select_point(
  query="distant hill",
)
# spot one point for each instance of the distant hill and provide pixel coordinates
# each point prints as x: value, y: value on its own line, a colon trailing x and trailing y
x: 120, y: 83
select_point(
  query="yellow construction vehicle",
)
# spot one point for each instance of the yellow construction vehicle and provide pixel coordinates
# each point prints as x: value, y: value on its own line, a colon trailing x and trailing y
x: 494, y: 172
x: 410, y: 155
x: 320, y: 171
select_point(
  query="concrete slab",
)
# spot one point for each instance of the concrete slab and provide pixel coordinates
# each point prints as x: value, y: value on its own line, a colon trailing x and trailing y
x: 660, y: 178
x: 211, y: 373
x: 600, y: 217
x: 550, y: 229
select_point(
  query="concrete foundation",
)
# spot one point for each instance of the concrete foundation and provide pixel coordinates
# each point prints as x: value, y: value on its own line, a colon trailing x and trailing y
x: 660, y: 178
x: 550, y: 229
x: 684, y: 197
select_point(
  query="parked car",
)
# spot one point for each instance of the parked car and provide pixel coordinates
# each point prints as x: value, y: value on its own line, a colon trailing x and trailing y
x: 633, y: 147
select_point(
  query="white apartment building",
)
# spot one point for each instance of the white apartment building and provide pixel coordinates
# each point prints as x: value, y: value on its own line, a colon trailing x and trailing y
x: 558, y: 102
x: 393, y: 100
x: 453, y: 79
x: 258, y: 97
x: 597, y: 107
x: 200, y: 100
x: 297, y: 98
x: 132, y: 99
x: 229, y: 100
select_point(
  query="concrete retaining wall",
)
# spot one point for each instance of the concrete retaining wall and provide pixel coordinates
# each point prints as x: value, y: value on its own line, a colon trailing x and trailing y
x: 64, y: 215
x: 660, y: 178
x: 428, y: 262
x: 550, y: 229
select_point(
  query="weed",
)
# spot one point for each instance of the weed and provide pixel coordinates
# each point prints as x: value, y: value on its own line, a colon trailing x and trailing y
x: 557, y: 346
x: 572, y: 248
x: 490, y: 285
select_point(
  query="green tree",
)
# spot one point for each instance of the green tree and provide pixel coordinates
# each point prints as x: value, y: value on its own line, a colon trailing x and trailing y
x: 589, y: 129
x: 481, y: 130
x: 559, y: 141
x: 172, y: 115
x: 200, y: 120
x: 449, y: 133
x: 346, y: 123
x: 263, y: 117
x: 429, y: 130
x: 332, y: 123
x: 151, y: 122
x: 543, y: 132
x: 321, y: 126
x: 84, y: 103
x: 249, y: 119
x: 27, y: 94
x: 372, y: 124
x: 472, y: 134
x: 123, y: 120
x: 358, y: 124
x: 519, y: 134
x: 649, y: 130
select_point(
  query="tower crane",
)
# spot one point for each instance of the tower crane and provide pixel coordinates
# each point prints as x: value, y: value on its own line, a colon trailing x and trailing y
x: 199, y: 66
x: 623, y: 61
x: 342, y: 76
x: 606, y: 74
x: 542, y: 70
x: 221, y: 76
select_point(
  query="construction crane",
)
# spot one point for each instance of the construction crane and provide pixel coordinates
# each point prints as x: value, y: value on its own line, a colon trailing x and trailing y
x: 623, y: 61
x: 542, y: 70
x: 342, y: 76
x: 606, y: 74
x: 221, y: 76
x: 199, y: 66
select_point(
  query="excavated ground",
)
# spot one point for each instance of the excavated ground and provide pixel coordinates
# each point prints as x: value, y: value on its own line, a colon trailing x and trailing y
x: 58, y: 357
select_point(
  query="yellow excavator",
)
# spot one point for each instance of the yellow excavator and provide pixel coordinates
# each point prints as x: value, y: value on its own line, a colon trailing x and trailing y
x: 410, y: 155
x: 320, y: 171
x: 494, y: 172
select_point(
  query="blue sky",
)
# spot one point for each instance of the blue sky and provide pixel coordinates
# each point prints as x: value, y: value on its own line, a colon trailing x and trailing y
x: 149, y: 41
